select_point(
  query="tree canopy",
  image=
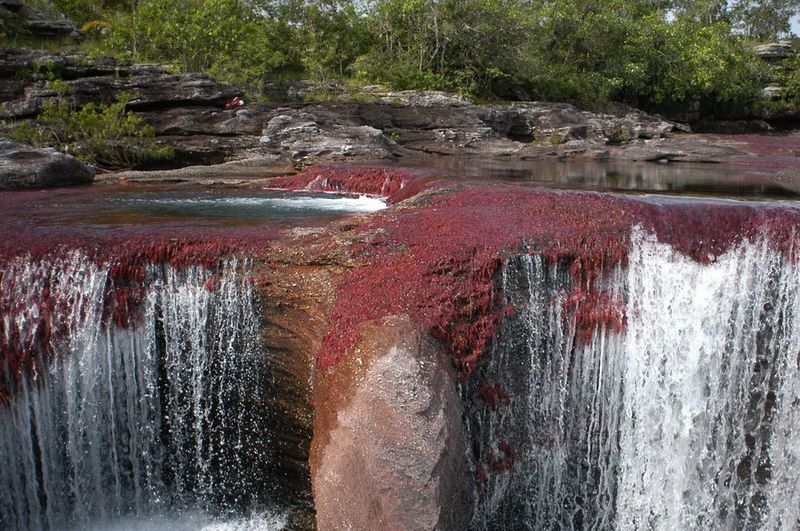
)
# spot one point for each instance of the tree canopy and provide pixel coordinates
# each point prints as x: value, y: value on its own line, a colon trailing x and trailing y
x: 644, y: 52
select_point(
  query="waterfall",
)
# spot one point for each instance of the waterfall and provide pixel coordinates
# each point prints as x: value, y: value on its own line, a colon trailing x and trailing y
x: 153, y: 418
x: 685, y: 418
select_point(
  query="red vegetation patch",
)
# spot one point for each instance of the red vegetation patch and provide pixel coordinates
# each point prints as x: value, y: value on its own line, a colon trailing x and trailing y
x: 500, y: 459
x: 396, y: 184
x: 592, y: 309
x: 438, y: 263
x: 26, y: 349
x: 493, y: 394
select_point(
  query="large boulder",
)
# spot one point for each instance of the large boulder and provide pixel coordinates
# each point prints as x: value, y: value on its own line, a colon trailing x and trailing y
x: 388, y: 450
x: 26, y: 167
x: 304, y: 135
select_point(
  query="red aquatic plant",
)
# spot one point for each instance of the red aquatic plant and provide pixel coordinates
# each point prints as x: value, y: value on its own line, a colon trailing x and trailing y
x: 395, y: 184
x: 32, y: 318
x: 592, y: 309
x: 493, y: 394
x: 438, y: 263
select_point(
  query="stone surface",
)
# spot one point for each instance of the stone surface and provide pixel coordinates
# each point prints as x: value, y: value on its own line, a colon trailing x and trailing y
x: 300, y: 135
x: 775, y: 50
x: 148, y: 91
x: 390, y: 454
x: 187, y: 112
x: 36, y: 23
x: 23, y: 167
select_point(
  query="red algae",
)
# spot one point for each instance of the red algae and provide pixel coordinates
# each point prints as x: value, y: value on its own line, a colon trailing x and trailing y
x: 438, y: 263
x: 444, y: 277
x: 127, y: 254
x: 493, y: 394
x: 395, y: 184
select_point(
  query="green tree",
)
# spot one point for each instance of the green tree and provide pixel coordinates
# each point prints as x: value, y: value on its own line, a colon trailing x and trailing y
x: 755, y: 19
x: 464, y: 45
x: 763, y: 19
x: 107, y: 136
x: 333, y: 35
x: 191, y: 33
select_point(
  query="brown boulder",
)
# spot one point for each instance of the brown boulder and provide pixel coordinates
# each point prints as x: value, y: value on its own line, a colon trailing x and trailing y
x: 388, y: 450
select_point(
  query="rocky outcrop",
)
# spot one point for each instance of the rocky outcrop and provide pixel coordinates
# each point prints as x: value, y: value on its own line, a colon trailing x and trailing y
x: 388, y: 451
x: 187, y: 111
x: 775, y: 50
x: 24, y: 167
x: 27, y: 20
x: 147, y: 91
x: 300, y: 134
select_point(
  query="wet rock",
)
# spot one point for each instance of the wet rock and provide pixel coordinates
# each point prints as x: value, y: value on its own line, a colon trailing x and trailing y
x: 26, y: 167
x: 389, y: 455
x: 684, y: 148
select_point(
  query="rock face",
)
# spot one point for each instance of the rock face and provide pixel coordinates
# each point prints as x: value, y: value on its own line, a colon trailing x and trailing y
x: 389, y: 454
x: 187, y: 111
x: 775, y: 50
x: 24, y: 167
x: 36, y: 23
x: 301, y: 136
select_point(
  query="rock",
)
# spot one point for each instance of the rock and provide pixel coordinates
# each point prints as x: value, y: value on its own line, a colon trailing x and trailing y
x: 305, y: 136
x: 772, y: 92
x: 187, y: 112
x: 11, y: 5
x: 391, y: 455
x: 684, y: 148
x: 148, y: 92
x: 28, y: 21
x: 25, y: 167
x: 44, y: 27
x: 424, y: 98
x: 775, y: 51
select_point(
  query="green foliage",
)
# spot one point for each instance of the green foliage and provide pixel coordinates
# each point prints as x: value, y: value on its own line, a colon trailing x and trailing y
x: 644, y: 52
x: 333, y: 35
x: 104, y: 135
x: 684, y: 61
x: 755, y: 19
x: 467, y: 46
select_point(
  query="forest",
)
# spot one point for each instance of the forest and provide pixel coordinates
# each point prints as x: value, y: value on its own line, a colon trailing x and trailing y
x: 647, y: 53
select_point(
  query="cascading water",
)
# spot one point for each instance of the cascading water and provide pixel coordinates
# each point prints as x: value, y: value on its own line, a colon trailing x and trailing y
x: 686, y: 417
x: 155, y: 420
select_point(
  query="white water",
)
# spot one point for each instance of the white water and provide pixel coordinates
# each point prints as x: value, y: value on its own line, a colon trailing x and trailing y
x: 690, y: 419
x: 284, y: 205
x: 146, y: 424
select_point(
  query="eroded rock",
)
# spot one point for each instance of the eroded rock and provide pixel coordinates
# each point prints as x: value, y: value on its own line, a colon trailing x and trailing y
x: 387, y: 451
x: 299, y: 134
x: 26, y: 167
x: 775, y: 50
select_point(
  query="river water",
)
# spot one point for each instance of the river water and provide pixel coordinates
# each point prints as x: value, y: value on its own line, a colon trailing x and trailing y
x: 143, y: 418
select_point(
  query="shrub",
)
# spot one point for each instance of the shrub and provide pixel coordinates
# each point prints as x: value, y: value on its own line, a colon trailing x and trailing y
x: 107, y: 136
